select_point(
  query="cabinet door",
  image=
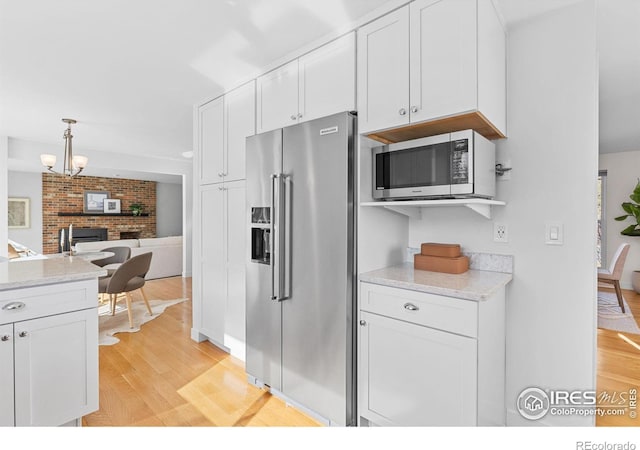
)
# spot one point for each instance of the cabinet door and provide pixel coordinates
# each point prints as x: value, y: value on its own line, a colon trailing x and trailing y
x: 277, y: 98
x: 443, y: 58
x: 56, y: 368
x: 6, y: 376
x: 240, y: 113
x: 237, y: 223
x: 410, y: 375
x: 211, y: 137
x: 383, y: 72
x: 213, y: 290
x: 327, y: 79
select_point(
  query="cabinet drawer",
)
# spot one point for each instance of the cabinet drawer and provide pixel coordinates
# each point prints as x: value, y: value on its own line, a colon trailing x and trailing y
x: 29, y: 303
x: 435, y: 311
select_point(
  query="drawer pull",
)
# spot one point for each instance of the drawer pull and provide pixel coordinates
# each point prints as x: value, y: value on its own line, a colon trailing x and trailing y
x: 23, y: 334
x: 411, y: 307
x: 363, y: 323
x: 5, y: 338
x: 13, y: 306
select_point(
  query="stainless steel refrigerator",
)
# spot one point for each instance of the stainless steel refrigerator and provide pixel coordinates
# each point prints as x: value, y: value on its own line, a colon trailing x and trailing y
x: 300, y: 275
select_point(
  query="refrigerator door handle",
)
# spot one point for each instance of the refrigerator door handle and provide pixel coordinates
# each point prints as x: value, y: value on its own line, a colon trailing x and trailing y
x: 277, y: 238
x: 274, y: 242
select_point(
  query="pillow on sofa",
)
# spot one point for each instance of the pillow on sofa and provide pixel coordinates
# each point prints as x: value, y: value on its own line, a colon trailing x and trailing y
x: 99, y: 245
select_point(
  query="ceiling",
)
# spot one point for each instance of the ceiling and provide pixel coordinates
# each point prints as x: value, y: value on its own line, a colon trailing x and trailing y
x: 130, y: 71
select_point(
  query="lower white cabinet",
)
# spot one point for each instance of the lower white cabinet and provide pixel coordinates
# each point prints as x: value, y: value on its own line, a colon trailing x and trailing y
x: 220, y: 285
x: 430, y: 360
x: 49, y: 364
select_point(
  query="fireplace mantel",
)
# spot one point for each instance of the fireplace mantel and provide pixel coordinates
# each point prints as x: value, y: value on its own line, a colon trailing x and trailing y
x: 78, y: 214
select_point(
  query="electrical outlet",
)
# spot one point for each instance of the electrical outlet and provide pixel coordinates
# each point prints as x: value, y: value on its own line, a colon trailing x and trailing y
x: 500, y: 232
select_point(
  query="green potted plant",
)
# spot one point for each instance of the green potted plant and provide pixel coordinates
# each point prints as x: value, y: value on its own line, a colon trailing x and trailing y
x: 136, y: 209
x: 633, y: 210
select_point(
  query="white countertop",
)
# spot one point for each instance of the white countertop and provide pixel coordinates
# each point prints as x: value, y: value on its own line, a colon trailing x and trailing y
x: 472, y: 285
x: 36, y: 272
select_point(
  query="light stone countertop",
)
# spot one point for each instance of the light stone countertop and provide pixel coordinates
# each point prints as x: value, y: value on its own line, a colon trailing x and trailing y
x: 37, y: 272
x: 475, y: 285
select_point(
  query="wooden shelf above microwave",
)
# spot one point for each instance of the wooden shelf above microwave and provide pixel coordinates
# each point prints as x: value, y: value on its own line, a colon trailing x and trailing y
x: 473, y: 120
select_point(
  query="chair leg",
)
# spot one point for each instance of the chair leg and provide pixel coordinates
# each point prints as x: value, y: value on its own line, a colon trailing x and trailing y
x: 616, y: 284
x: 112, y: 303
x: 129, y: 311
x: 146, y: 301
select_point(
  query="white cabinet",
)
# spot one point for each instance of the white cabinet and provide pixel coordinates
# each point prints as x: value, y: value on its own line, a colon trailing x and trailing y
x: 383, y: 72
x: 224, y: 124
x: 221, y: 272
x: 430, y: 360
x: 48, y: 363
x: 430, y: 61
x: 6, y: 376
x: 315, y: 85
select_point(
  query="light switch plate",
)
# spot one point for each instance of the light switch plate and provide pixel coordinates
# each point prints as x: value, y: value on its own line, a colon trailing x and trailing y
x: 554, y: 233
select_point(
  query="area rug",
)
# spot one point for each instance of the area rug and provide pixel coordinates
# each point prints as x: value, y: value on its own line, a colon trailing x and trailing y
x: 610, y: 315
x: 109, y: 325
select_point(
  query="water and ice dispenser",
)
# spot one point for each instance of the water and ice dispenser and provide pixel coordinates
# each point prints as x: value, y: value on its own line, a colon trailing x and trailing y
x: 261, y: 235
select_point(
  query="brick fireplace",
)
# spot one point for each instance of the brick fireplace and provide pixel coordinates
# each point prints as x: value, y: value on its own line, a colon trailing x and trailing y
x: 62, y: 205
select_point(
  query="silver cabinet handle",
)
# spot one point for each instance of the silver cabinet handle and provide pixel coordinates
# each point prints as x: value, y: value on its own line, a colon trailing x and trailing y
x: 222, y: 189
x: 402, y: 111
x: 363, y: 323
x: 414, y: 109
x: 23, y: 334
x: 13, y: 306
x: 5, y: 338
x: 411, y: 307
x: 299, y: 116
x: 220, y: 174
x: 293, y: 117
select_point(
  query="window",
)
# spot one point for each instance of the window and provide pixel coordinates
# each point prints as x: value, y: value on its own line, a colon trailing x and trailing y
x: 601, y: 247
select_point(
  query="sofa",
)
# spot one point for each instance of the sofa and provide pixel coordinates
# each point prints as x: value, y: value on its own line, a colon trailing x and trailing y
x: 167, y: 253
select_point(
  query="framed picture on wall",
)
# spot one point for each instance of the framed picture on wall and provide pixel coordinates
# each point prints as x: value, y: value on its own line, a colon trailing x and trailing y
x: 112, y: 206
x: 19, y: 212
x: 94, y: 201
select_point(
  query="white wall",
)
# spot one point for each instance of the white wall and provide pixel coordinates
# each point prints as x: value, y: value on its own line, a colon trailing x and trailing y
x: 552, y: 144
x: 4, y: 157
x: 623, y: 171
x: 168, y: 209
x: 28, y: 184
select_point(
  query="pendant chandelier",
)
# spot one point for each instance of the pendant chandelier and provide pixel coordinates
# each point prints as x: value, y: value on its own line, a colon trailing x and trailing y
x: 72, y: 165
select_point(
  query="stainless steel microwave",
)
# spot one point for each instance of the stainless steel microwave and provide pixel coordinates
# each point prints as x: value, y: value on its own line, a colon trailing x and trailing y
x: 452, y: 165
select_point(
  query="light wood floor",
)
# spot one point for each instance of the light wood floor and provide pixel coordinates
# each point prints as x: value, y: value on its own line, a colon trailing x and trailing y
x: 619, y: 363
x: 160, y: 377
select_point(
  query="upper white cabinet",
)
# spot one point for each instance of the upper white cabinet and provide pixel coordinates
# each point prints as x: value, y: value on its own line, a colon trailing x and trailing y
x: 317, y: 84
x: 430, y: 67
x: 224, y: 125
x: 211, y: 145
x: 383, y: 72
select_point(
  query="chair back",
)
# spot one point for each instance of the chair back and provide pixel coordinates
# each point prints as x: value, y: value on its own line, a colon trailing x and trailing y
x: 120, y: 255
x: 617, y: 262
x: 138, y: 266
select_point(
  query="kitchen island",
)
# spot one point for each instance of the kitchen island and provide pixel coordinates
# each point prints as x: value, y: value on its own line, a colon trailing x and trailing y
x: 431, y: 348
x: 48, y: 341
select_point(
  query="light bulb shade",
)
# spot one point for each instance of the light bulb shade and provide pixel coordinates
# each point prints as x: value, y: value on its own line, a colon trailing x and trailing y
x: 48, y: 160
x: 80, y: 162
